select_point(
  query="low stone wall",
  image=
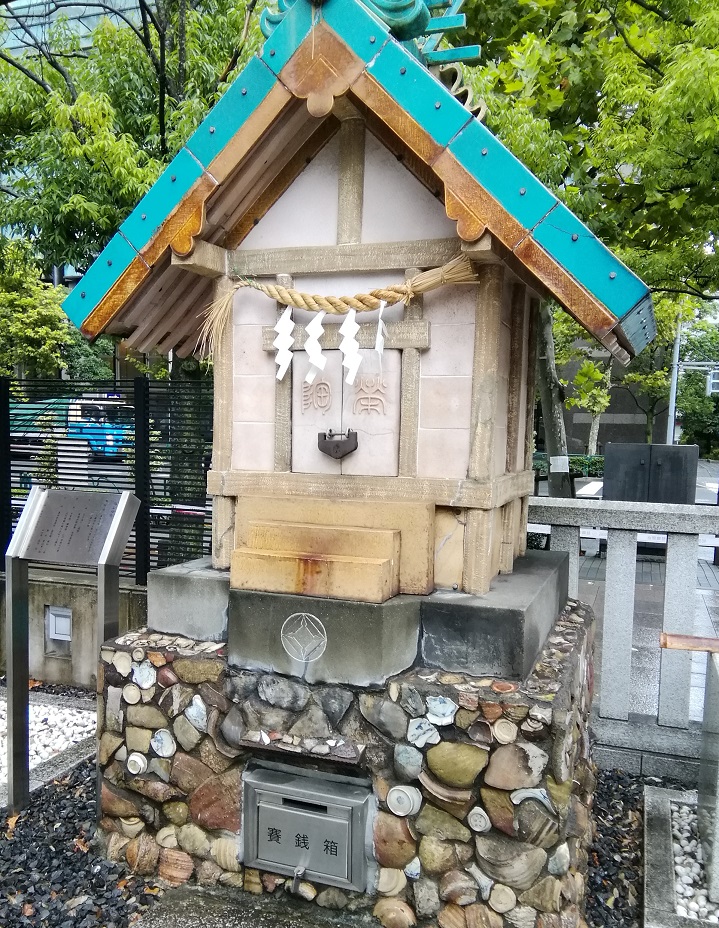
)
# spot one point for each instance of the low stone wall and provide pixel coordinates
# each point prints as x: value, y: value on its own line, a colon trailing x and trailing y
x: 500, y: 834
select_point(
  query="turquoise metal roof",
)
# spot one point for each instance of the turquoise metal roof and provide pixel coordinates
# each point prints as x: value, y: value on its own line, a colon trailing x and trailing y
x: 370, y: 32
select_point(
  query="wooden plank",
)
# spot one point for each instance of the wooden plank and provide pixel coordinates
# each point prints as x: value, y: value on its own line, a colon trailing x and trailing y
x: 205, y: 259
x: 485, y: 374
x: 223, y: 511
x: 331, y: 259
x: 350, y: 194
x: 688, y: 643
x: 283, y: 404
x: 516, y: 370
x: 409, y: 392
x: 400, y: 335
x: 468, y: 494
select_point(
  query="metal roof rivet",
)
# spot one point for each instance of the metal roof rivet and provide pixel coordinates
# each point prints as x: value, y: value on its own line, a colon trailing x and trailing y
x: 212, y: 130
x: 272, y: 53
x: 522, y: 191
x: 612, y: 275
x: 575, y: 237
x: 437, y: 105
x: 109, y: 263
x: 173, y: 178
x: 484, y: 151
x: 144, y: 216
x: 403, y: 70
x: 244, y: 91
x: 82, y: 295
x: 372, y: 40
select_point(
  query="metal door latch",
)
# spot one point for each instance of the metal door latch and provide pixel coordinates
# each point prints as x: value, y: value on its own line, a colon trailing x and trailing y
x: 337, y: 444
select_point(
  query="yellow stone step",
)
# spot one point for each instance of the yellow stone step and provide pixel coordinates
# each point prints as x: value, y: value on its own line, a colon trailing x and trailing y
x: 414, y: 521
x: 345, y: 541
x: 364, y: 579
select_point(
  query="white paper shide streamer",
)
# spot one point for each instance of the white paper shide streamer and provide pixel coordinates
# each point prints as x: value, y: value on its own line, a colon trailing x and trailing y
x: 349, y: 346
x: 314, y: 331
x: 284, y: 342
x: 381, y: 334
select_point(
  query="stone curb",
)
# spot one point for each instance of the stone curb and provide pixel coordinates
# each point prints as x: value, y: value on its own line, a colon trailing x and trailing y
x: 54, y: 768
x: 659, y: 895
x: 63, y: 702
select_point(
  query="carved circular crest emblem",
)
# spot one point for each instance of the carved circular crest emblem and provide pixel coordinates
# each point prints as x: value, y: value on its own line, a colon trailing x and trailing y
x: 304, y: 637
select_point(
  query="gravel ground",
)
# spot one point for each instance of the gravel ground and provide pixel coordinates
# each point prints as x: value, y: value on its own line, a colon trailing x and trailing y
x: 49, y: 873
x: 51, y: 876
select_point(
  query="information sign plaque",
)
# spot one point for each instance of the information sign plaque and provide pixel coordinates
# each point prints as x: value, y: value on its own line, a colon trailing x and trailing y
x: 73, y: 528
x: 70, y: 527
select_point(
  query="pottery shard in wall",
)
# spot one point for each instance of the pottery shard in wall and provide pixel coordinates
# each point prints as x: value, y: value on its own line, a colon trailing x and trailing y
x: 176, y: 699
x: 198, y: 670
x: 536, y: 825
x: 117, y: 802
x: 455, y: 763
x: 433, y: 821
x: 217, y: 804
x: 233, y: 728
x: 514, y: 766
x: 393, y: 913
x: 384, y: 715
x: 283, y: 693
x: 558, y: 863
x: 167, y: 677
x: 145, y: 716
x: 226, y: 853
x: 175, y: 866
x: 481, y: 916
x: 188, y: 773
x: 546, y: 895
x: 391, y: 881
x: 508, y: 861
x: 441, y: 710
x: 193, y: 840
x: 426, y: 898
x: 411, y: 701
x: 196, y: 713
x: 142, y: 854
x: 186, y: 733
x: 162, y: 743
x: 154, y: 789
x: 437, y: 856
x: 421, y: 732
x: 393, y: 841
x: 144, y: 674
x: 499, y: 808
x: 458, y: 887
x: 407, y: 762
x: 452, y: 916
x: 456, y: 801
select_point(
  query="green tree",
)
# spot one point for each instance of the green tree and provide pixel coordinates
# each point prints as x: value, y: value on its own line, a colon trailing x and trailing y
x: 33, y: 327
x: 84, y: 132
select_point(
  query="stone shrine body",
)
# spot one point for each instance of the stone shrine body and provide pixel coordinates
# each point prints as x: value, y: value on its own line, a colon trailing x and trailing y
x: 391, y: 644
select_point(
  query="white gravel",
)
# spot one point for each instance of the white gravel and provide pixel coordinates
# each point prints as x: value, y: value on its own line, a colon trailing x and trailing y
x: 53, y: 729
x: 689, y: 883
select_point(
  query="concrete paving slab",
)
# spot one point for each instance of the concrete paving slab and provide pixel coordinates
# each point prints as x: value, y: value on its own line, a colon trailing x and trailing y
x: 659, y: 896
x: 198, y: 907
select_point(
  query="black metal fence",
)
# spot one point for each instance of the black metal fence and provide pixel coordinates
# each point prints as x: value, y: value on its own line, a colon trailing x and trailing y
x: 151, y: 437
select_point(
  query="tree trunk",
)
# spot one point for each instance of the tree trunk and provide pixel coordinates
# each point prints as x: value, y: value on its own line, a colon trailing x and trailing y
x: 550, y: 394
x: 649, y: 427
x: 593, y: 434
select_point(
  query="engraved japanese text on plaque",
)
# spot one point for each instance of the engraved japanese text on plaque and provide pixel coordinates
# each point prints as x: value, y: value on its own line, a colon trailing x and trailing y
x: 71, y: 527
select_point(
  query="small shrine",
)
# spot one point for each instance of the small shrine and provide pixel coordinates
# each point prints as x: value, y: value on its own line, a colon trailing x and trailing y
x: 371, y: 695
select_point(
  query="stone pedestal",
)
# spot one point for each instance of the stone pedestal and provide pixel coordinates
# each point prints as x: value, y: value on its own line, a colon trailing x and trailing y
x: 189, y: 599
x: 497, y: 774
x: 503, y: 631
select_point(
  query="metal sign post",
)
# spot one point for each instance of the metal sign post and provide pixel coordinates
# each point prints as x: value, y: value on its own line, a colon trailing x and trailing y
x: 74, y: 528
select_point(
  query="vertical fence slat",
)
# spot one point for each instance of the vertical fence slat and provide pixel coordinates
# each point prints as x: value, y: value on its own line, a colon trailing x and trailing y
x: 679, y: 598
x: 141, y: 391
x: 566, y: 538
x: 5, y: 466
x: 618, y: 624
